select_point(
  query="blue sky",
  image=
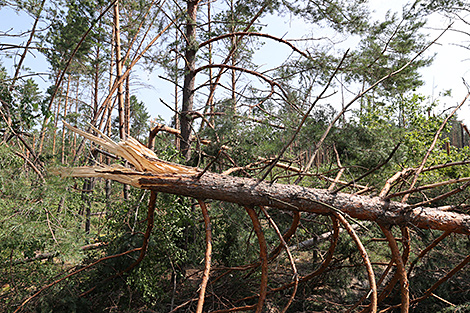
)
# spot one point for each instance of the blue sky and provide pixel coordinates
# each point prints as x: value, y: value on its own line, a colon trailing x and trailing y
x: 451, y: 64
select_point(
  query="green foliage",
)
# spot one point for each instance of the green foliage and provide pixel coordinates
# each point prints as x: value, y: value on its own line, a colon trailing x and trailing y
x: 342, y: 16
x: 373, y: 61
x: 23, y: 105
x: 138, y: 120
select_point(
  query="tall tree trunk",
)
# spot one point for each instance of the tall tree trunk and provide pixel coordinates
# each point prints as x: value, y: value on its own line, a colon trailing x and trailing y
x: 120, y: 93
x: 189, y: 78
x: 234, y: 57
x: 44, y: 127
x: 96, y: 88
x: 3, y: 104
x: 177, y: 117
x: 127, y: 115
x: 211, y: 101
x: 74, y: 141
x: 54, y: 134
x: 127, y: 111
x: 62, y: 155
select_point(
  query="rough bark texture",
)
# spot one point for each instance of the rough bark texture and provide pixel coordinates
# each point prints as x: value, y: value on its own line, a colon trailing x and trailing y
x: 290, y: 197
x: 120, y: 94
x: 189, y: 78
x: 249, y: 192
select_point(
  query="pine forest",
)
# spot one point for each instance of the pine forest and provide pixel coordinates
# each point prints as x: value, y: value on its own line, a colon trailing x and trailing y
x: 234, y: 156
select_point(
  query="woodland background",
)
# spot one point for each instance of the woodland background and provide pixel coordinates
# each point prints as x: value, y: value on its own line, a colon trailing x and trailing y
x: 326, y: 117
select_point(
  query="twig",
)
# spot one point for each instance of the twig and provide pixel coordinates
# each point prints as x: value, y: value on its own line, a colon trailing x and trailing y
x: 429, y: 292
x: 209, y: 165
x: 35, y: 169
x: 442, y: 299
x: 263, y: 256
x: 143, y: 249
x: 434, y: 243
x: 20, y: 308
x: 207, y: 263
x: 430, y: 186
x: 287, y: 235
x: 370, y: 171
x: 365, y: 257
x: 441, y: 197
x: 341, y: 171
x: 391, y: 180
x: 304, y: 118
x: 291, y: 259
x: 360, y: 95
x: 405, y: 292
x: 323, y: 266
x: 396, y: 277
x: 256, y: 35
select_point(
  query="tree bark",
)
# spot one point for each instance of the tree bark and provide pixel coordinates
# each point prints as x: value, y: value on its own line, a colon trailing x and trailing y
x: 249, y: 192
x: 189, y: 79
x: 62, y: 153
x: 120, y: 94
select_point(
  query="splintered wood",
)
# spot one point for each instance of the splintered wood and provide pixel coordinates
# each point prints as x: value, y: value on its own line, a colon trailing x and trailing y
x: 141, y: 157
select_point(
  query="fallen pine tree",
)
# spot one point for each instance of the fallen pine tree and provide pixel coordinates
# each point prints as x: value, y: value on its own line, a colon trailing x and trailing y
x: 160, y: 176
x: 154, y: 174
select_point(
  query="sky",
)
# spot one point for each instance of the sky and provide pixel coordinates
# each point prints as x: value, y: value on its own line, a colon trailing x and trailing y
x: 451, y: 63
x: 450, y: 67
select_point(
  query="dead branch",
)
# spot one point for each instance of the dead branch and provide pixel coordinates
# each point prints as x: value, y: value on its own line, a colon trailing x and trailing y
x: 307, y: 244
x: 370, y: 171
x: 365, y: 257
x: 31, y: 164
x: 287, y: 235
x: 160, y: 127
x: 341, y: 171
x: 430, y: 186
x: 405, y: 292
x: 263, y: 256
x: 321, y: 268
x: 291, y: 259
x: 207, y: 263
x: 256, y: 35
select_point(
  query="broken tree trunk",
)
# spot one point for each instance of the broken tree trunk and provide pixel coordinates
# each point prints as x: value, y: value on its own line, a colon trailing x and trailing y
x: 154, y: 174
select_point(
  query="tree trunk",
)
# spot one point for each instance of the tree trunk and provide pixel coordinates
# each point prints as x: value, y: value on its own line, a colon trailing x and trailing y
x: 249, y: 192
x: 177, y: 117
x: 189, y: 79
x: 54, y: 131
x: 152, y: 173
x: 62, y: 154
x: 120, y: 93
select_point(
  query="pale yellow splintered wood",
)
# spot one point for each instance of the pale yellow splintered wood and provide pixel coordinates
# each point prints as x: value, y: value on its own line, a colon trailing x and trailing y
x: 115, y: 172
x: 141, y: 157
